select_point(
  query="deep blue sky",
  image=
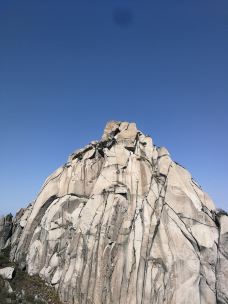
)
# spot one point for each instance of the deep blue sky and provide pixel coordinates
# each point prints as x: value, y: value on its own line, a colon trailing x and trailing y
x: 67, y: 67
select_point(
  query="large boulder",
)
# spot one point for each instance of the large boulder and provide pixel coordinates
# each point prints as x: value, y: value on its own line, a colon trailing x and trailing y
x: 7, y: 273
x: 121, y: 222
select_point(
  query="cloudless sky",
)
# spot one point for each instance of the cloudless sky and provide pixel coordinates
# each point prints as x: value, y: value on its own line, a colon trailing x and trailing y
x: 67, y: 67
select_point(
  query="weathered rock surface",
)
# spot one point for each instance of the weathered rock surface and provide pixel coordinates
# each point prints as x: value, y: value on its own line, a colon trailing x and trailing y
x: 121, y: 222
x: 5, y: 229
x: 7, y: 273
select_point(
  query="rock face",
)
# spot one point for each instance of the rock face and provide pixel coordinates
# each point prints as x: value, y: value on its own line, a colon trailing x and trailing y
x: 5, y: 229
x: 121, y: 222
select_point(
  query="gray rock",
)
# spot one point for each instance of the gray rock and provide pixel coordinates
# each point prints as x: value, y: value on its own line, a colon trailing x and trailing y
x: 5, y: 229
x: 122, y: 222
x: 7, y: 273
x: 8, y: 287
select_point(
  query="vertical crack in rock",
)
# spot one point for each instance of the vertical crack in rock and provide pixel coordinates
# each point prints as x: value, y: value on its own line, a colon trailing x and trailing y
x: 221, y: 270
x: 121, y: 222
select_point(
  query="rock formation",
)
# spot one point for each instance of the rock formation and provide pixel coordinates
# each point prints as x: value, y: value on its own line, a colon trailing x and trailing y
x: 7, y: 273
x: 121, y: 222
x: 5, y: 229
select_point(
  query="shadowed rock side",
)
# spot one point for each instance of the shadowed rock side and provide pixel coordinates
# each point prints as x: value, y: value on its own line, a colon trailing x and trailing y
x: 121, y: 222
x: 5, y: 229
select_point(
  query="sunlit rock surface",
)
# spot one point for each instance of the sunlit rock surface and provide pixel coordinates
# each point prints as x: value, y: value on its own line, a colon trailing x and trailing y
x: 6, y: 273
x: 121, y: 222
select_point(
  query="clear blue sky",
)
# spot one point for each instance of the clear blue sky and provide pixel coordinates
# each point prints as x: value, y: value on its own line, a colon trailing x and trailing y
x: 67, y: 67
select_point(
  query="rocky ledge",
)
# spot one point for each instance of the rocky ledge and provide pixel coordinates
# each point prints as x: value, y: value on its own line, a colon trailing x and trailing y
x: 121, y: 222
